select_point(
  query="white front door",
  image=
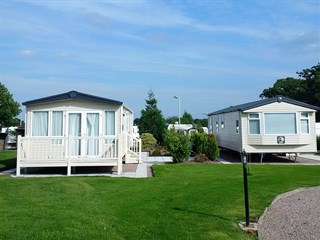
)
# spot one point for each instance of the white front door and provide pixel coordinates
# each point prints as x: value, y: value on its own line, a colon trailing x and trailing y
x: 83, y: 130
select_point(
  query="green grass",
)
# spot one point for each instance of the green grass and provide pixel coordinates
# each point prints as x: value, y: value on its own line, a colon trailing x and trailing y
x: 7, y: 160
x: 183, y: 201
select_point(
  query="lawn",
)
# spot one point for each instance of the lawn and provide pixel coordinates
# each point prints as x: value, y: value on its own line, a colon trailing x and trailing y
x: 7, y: 160
x: 183, y: 201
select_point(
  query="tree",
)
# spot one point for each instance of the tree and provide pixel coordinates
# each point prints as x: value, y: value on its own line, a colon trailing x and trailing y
x: 172, y: 120
x: 136, y: 121
x: 151, y: 120
x: 288, y: 87
x: 305, y: 89
x: 311, y: 84
x: 186, y: 118
x: 9, y: 108
x: 201, y: 122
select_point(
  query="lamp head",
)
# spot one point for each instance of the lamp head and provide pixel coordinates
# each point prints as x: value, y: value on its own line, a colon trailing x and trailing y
x: 244, y: 156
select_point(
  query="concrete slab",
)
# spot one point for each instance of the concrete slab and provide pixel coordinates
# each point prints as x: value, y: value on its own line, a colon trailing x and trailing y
x: 141, y: 171
x: 159, y: 160
x: 251, y: 229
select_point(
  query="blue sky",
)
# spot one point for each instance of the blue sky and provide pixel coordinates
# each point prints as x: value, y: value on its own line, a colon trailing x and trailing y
x: 212, y: 54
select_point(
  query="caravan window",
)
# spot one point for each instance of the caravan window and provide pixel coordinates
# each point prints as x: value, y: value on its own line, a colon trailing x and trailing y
x: 254, y: 123
x: 304, y: 122
x: 237, y: 126
x: 280, y: 123
x: 222, y: 120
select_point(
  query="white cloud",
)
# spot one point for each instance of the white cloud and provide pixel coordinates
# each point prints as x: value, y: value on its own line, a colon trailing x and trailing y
x: 26, y: 52
x: 143, y: 14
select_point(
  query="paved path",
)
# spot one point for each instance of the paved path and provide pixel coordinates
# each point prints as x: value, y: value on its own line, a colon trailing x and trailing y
x: 292, y: 216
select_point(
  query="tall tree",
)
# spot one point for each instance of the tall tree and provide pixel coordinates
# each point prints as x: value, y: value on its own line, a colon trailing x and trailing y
x: 305, y: 89
x: 151, y: 120
x: 9, y: 108
x: 311, y: 84
x: 288, y: 87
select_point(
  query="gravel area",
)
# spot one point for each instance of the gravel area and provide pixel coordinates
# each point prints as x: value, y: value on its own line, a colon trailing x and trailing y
x: 291, y: 216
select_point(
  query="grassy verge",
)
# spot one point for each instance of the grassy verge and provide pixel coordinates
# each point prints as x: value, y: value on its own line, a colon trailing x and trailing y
x: 7, y: 160
x: 182, y: 202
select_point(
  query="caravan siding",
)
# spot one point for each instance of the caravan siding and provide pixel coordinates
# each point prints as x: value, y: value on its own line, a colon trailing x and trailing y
x: 226, y: 127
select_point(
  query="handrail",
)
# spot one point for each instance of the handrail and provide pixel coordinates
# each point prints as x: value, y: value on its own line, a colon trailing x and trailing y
x: 134, y: 146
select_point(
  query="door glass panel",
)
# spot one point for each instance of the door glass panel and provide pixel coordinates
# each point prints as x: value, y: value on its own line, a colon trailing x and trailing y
x: 75, y: 134
x: 93, y: 134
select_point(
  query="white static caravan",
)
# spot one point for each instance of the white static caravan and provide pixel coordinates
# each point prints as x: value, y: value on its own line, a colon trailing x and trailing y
x: 274, y: 125
x: 75, y: 129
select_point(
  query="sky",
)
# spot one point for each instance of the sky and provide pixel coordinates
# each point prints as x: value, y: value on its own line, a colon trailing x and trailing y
x: 210, y: 53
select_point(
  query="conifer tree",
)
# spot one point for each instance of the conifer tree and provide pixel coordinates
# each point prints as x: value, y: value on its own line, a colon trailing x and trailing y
x: 151, y: 120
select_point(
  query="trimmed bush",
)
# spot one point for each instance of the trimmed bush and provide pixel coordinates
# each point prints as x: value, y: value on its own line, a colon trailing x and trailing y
x: 148, y: 141
x: 178, y: 144
x: 318, y: 143
x: 199, y: 143
x: 212, y: 150
x: 203, y: 143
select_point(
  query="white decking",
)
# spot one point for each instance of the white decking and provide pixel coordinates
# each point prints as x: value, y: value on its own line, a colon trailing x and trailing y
x: 76, y: 151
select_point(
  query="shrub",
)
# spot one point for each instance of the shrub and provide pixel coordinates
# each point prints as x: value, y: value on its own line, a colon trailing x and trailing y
x: 318, y: 143
x: 205, y: 144
x: 178, y: 145
x: 148, y: 141
x: 212, y: 150
x: 156, y: 152
x: 201, y: 158
x: 199, y: 142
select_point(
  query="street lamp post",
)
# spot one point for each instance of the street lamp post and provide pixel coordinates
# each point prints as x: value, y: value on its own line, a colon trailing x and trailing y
x: 244, y: 156
x: 179, y: 107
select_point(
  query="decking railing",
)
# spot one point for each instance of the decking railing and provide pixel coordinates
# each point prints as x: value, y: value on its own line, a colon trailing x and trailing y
x: 69, y: 152
x: 133, y: 146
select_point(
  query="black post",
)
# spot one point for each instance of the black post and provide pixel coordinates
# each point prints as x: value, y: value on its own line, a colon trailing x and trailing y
x: 245, y: 181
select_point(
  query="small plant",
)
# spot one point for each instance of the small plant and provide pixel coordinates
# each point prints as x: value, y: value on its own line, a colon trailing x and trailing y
x: 201, y: 158
x: 178, y: 145
x: 148, y: 141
